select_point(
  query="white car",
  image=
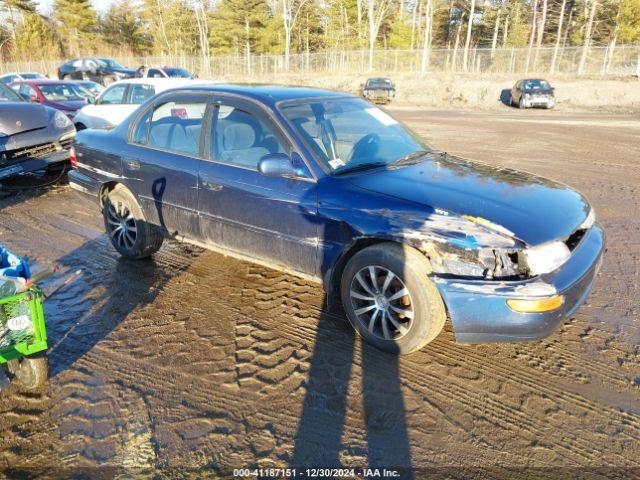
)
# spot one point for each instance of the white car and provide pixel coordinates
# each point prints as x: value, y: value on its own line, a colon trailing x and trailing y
x: 166, y: 72
x: 14, y: 77
x: 122, y: 98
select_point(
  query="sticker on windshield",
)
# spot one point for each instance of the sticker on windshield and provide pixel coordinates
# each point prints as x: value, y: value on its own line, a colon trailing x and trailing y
x: 336, y: 163
x: 382, y: 117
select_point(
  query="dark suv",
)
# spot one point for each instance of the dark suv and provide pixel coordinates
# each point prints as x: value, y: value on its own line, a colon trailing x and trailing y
x: 96, y: 69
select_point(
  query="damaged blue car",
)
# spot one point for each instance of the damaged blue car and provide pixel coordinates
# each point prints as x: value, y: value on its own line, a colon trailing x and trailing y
x: 329, y: 187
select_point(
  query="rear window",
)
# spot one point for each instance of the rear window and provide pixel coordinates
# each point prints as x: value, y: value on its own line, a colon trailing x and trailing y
x: 174, y: 126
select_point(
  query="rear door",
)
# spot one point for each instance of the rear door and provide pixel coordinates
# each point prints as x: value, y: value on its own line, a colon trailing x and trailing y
x: 162, y: 160
x: 267, y: 218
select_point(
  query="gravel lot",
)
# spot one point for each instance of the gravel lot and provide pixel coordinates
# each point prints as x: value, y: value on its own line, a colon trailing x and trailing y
x: 194, y: 360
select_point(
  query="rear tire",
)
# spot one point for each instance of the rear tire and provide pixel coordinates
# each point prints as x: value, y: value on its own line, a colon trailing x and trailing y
x: 413, y: 319
x: 130, y: 234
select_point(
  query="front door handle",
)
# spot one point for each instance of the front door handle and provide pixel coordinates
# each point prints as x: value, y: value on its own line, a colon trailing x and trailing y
x: 132, y: 164
x: 214, y: 187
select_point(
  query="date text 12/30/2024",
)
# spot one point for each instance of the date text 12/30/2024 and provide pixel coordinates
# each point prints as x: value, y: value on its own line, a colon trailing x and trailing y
x: 317, y: 472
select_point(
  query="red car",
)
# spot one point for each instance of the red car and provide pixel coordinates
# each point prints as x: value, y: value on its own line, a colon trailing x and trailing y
x: 68, y: 97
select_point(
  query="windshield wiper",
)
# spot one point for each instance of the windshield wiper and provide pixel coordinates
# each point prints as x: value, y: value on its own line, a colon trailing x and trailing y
x: 360, y: 167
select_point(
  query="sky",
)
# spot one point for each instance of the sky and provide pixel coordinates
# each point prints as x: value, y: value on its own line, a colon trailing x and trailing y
x: 100, y: 5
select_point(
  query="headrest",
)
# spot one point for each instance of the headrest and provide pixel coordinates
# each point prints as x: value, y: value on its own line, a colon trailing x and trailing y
x: 238, y: 136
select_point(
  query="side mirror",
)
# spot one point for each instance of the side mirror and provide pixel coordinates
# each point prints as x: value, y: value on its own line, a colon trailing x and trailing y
x: 277, y: 165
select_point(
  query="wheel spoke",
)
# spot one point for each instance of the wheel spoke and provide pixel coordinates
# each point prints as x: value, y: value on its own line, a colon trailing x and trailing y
x: 364, y: 285
x: 405, y: 313
x: 129, y: 237
x: 399, y: 294
x: 366, y: 309
x: 359, y: 296
x: 398, y: 325
x: 385, y: 326
x: 387, y: 281
x: 374, y: 280
x: 116, y: 231
x: 372, y: 321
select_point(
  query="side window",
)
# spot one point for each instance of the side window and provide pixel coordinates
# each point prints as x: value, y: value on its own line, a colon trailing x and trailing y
x: 141, y: 93
x: 77, y: 64
x: 241, y: 138
x: 176, y: 126
x: 155, y: 73
x: 114, y: 95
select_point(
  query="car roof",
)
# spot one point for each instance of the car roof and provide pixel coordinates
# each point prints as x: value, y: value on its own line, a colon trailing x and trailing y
x: 163, y: 83
x: 44, y: 81
x: 270, y: 93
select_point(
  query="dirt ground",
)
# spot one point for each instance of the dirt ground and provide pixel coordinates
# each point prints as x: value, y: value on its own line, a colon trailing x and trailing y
x: 193, y: 361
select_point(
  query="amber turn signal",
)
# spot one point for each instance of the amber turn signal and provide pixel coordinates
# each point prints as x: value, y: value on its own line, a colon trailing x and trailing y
x: 536, y: 306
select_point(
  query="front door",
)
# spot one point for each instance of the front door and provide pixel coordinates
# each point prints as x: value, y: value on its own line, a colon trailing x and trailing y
x: 272, y: 219
x: 161, y: 163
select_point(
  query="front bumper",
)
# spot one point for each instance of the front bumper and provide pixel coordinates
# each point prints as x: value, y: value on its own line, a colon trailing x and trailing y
x: 32, y: 164
x: 547, y: 102
x: 479, y: 312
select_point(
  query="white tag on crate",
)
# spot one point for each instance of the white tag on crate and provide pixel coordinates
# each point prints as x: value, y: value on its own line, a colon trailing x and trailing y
x: 19, y: 323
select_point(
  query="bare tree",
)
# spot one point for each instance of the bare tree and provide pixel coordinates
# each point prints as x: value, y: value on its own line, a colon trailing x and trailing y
x: 587, y: 37
x: 426, y: 46
x: 375, y: 12
x: 467, y: 43
x: 556, y: 48
x: 540, y: 34
x: 496, y: 28
x: 203, y: 37
x: 533, y: 33
x: 290, y: 13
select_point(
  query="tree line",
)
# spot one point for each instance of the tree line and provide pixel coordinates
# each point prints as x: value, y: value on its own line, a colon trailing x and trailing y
x: 245, y: 28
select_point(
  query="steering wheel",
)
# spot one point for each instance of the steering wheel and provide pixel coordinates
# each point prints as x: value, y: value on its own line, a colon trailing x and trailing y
x: 364, y: 146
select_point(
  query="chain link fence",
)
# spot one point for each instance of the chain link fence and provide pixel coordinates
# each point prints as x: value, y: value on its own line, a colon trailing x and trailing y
x: 620, y: 61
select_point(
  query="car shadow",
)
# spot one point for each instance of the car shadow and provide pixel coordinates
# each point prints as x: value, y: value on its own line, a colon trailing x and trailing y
x: 505, y: 97
x: 324, y: 435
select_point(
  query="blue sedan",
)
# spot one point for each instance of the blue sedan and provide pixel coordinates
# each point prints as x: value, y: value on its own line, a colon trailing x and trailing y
x: 327, y: 186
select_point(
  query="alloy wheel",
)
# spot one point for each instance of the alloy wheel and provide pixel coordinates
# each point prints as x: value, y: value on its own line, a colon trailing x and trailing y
x: 381, y: 302
x: 121, y: 225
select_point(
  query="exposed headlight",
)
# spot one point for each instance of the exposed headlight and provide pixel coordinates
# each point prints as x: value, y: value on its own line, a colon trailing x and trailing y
x: 546, y: 258
x: 60, y: 120
x: 589, y: 221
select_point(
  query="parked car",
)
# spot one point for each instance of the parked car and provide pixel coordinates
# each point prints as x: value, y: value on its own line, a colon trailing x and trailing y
x: 95, y: 88
x: 97, y: 69
x: 32, y: 136
x: 122, y: 98
x: 14, y: 77
x: 532, y: 93
x: 68, y: 97
x: 379, y: 90
x: 330, y: 187
x: 166, y: 72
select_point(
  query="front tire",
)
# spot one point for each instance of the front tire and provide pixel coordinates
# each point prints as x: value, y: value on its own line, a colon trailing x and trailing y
x: 389, y: 298
x: 130, y: 234
x: 521, y: 104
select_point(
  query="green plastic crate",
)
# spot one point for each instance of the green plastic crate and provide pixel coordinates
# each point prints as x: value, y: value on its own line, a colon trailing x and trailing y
x: 23, y: 309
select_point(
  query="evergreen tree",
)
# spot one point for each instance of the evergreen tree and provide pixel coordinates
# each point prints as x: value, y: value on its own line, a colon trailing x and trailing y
x: 78, y: 24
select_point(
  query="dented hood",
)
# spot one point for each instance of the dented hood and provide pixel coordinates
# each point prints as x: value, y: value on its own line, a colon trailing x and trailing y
x: 17, y: 117
x: 535, y: 209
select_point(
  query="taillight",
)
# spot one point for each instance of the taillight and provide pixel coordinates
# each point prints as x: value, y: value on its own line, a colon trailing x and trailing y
x: 72, y: 158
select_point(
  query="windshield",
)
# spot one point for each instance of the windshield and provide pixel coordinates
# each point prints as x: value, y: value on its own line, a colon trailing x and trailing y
x: 378, y: 82
x: 177, y: 73
x: 536, y: 85
x: 346, y: 132
x: 8, y: 95
x: 107, y: 62
x: 65, y: 91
